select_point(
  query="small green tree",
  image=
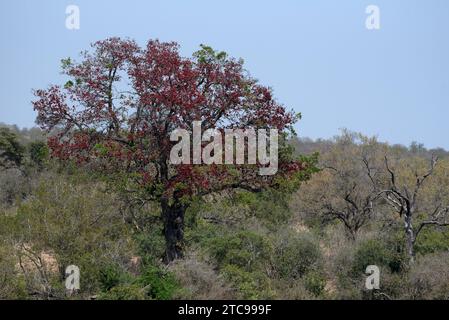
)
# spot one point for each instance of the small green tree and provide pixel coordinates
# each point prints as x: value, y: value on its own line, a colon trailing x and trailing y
x: 38, y: 152
x: 11, y: 151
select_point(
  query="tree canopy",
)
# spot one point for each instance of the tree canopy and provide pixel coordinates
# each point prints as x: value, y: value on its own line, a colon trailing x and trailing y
x: 121, y: 102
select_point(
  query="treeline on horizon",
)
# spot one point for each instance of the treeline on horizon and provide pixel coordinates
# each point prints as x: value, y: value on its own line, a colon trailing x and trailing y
x: 303, y: 145
x: 313, y: 244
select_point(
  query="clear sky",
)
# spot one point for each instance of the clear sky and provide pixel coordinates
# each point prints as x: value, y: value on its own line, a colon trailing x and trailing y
x: 316, y: 54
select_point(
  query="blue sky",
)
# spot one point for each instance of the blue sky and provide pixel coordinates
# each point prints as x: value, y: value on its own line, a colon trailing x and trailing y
x: 316, y: 54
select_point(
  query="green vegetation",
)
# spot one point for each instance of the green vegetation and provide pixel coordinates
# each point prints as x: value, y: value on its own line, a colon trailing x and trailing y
x: 238, y: 245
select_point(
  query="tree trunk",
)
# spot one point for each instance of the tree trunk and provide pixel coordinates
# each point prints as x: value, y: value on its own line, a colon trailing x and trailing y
x: 410, y: 235
x: 173, y: 217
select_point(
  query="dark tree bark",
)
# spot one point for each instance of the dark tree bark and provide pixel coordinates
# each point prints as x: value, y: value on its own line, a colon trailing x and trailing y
x: 173, y: 217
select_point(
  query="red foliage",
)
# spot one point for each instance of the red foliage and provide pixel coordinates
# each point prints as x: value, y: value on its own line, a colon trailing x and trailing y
x: 122, y: 102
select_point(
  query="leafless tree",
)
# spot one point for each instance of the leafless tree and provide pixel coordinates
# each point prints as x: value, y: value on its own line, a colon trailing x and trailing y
x: 404, y: 200
x: 355, y: 208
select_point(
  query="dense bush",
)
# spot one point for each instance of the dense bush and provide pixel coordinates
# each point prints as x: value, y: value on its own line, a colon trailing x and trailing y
x: 295, y: 255
x: 249, y: 285
x: 71, y: 223
x: 375, y: 252
x: 124, y: 292
x: 112, y: 276
x: 38, y: 152
x: 315, y: 283
x: 153, y: 282
x: 431, y: 241
x: 159, y: 284
x: 199, y: 280
x: 429, y: 277
x: 239, y: 245
x: 244, y: 249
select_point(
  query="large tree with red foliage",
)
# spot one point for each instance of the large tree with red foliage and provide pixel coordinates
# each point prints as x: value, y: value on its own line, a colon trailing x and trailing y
x: 121, y: 103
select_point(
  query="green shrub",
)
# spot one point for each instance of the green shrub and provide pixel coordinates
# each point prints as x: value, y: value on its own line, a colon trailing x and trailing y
x: 431, y: 241
x: 295, y: 255
x: 78, y: 224
x: 245, y: 249
x: 38, y: 152
x: 111, y: 276
x: 151, y: 244
x: 124, y: 292
x: 269, y: 207
x: 153, y: 283
x: 244, y: 259
x: 315, y: 282
x: 11, y: 150
x: 159, y: 284
x: 249, y: 285
x: 379, y: 253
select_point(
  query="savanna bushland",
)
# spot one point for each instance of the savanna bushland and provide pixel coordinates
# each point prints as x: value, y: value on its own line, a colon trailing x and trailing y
x: 92, y: 186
